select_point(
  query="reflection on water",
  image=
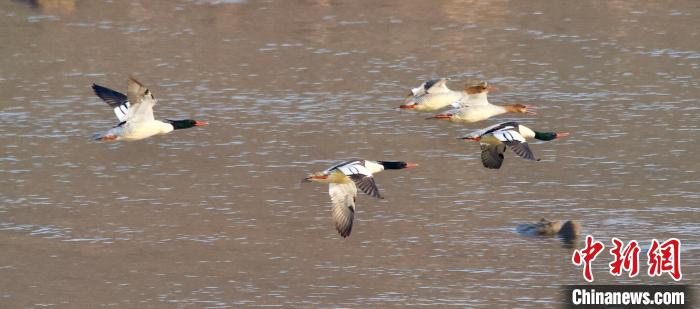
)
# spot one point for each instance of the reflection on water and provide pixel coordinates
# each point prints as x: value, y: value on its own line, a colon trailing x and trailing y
x: 215, y: 217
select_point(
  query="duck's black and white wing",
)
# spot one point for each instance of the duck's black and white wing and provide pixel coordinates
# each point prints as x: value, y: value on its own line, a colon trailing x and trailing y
x: 492, y: 155
x: 343, y: 209
x: 496, y: 127
x: 436, y: 86
x: 142, y: 102
x: 341, y: 164
x: 423, y: 87
x: 366, y: 184
x: 433, y: 86
x: 361, y: 176
x: 516, y: 142
x: 115, y: 99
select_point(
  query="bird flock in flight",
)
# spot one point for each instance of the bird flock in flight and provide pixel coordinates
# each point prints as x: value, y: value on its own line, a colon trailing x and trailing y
x: 136, y: 122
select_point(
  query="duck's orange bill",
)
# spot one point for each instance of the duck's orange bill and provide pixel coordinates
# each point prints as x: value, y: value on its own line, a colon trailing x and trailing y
x: 108, y: 138
x: 562, y: 134
x: 473, y: 139
x: 410, y: 165
x: 405, y: 106
x: 308, y: 179
x: 199, y: 123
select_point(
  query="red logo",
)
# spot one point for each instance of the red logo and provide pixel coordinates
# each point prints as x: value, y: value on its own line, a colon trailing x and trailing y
x: 665, y: 258
x: 587, y: 256
x: 662, y: 258
x: 625, y: 259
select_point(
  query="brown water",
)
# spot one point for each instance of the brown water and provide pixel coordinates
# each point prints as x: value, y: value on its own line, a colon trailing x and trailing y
x: 215, y: 216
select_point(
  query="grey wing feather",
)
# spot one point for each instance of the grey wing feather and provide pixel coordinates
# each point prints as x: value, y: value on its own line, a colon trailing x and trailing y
x: 142, y: 101
x: 429, y: 83
x: 492, y: 155
x: 436, y: 86
x: 115, y: 99
x: 112, y: 97
x: 521, y: 149
x: 366, y: 184
x: 343, y: 210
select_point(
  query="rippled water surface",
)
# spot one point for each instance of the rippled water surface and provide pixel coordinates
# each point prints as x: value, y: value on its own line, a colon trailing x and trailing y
x: 216, y: 217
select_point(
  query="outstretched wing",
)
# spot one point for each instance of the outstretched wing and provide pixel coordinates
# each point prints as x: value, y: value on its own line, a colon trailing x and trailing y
x: 430, y: 86
x: 441, y: 99
x: 436, y: 86
x: 341, y: 164
x: 114, y: 99
x: 470, y: 101
x: 362, y: 177
x: 522, y: 150
x: 142, y: 101
x: 366, y: 184
x: 497, y: 127
x: 515, y: 141
x: 492, y: 155
x: 343, y: 209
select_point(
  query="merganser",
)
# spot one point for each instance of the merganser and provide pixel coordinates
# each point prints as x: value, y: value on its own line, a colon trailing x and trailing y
x: 494, y: 139
x: 438, y: 97
x: 479, y: 112
x: 568, y: 231
x: 432, y: 95
x: 344, y: 179
x: 135, y: 113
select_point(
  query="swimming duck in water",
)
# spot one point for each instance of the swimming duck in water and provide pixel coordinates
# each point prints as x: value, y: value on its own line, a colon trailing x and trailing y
x: 135, y: 113
x: 568, y: 231
x: 344, y: 178
x: 494, y: 139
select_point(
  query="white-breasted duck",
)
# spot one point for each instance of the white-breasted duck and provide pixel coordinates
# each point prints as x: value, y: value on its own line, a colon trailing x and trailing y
x: 344, y: 179
x: 473, y: 94
x: 476, y: 106
x: 432, y: 95
x: 494, y: 139
x: 135, y: 113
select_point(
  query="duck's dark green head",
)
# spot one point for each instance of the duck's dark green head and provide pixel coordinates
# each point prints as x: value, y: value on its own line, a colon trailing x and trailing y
x: 548, y: 136
x: 185, y: 124
x: 396, y: 165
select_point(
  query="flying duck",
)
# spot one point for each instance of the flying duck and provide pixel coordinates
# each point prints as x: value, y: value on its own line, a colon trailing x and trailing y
x: 135, y: 113
x: 494, y: 139
x: 476, y: 113
x: 432, y: 95
x: 344, y: 178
